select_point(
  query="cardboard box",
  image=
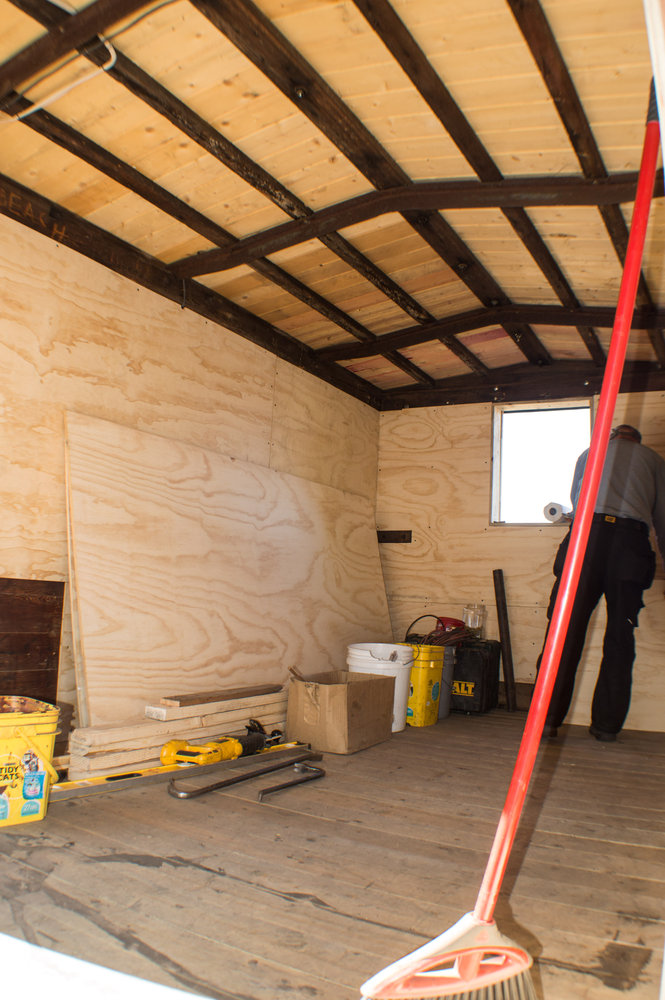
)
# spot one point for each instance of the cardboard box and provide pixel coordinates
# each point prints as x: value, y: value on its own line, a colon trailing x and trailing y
x: 340, y: 711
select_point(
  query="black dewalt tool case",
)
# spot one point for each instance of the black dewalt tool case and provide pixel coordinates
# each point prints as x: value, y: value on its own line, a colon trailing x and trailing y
x: 476, y: 676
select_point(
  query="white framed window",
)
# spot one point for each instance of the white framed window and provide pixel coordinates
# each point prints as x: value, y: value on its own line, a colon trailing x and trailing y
x: 535, y: 447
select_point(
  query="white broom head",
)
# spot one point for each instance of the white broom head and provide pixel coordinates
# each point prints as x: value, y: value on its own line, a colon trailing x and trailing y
x: 471, y: 955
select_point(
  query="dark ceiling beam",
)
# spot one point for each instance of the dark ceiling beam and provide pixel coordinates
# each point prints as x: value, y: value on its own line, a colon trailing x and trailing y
x: 61, y: 42
x: 68, y: 229
x: 561, y: 380
x: 257, y: 38
x: 428, y: 195
x: 539, y: 36
x: 143, y: 86
x: 399, y: 41
x: 474, y: 319
x: 161, y: 100
x: 79, y: 145
x: 74, y: 142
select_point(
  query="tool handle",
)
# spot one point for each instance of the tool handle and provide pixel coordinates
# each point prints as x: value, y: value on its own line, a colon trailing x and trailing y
x: 556, y: 633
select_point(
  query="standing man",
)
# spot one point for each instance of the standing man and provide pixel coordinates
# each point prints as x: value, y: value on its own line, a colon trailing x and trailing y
x: 619, y: 563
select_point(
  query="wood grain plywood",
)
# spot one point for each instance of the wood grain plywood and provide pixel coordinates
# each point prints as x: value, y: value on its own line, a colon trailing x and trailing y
x: 653, y: 261
x: 615, y: 94
x: 250, y: 289
x: 359, y: 68
x: 379, y: 371
x: 493, y: 346
x: 209, y: 73
x: 488, y: 234
x: 18, y: 30
x: 434, y: 478
x: 326, y: 274
x: 391, y: 243
x: 436, y: 359
x: 323, y: 436
x: 578, y: 239
x: 109, y: 115
x: 479, y: 52
x: 195, y: 571
x: 565, y: 343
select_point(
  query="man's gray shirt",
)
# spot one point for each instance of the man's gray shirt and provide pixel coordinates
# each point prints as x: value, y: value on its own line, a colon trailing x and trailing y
x: 632, y: 485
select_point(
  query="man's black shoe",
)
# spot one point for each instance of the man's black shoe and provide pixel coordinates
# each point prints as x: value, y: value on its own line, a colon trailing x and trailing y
x: 602, y: 736
x: 550, y: 731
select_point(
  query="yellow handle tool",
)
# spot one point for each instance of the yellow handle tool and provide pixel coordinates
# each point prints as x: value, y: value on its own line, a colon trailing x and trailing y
x: 182, y: 752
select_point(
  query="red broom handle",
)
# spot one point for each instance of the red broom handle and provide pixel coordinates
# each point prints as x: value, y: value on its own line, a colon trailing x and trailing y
x: 556, y: 634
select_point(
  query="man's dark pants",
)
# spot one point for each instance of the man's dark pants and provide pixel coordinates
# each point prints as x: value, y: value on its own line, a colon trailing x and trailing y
x: 619, y: 564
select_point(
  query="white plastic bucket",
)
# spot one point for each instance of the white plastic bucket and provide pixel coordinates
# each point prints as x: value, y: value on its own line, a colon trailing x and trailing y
x: 384, y: 658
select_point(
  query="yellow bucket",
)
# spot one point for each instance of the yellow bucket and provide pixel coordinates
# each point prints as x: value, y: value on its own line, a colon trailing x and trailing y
x: 423, y: 705
x: 27, y: 738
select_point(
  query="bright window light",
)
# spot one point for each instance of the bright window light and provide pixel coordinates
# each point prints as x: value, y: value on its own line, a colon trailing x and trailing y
x: 535, y: 450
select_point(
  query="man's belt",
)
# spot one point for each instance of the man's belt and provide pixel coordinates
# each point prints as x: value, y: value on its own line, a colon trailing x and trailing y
x: 621, y: 522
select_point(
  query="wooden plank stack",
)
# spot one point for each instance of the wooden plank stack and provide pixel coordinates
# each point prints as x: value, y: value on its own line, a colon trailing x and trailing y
x: 137, y: 743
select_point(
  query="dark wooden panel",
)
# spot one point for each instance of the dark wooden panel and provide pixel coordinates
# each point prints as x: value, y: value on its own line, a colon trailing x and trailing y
x: 30, y: 629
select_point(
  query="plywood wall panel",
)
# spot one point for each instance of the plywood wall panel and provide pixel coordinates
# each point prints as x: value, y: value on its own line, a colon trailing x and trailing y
x: 434, y: 479
x: 321, y: 435
x: 76, y: 336
x: 195, y: 571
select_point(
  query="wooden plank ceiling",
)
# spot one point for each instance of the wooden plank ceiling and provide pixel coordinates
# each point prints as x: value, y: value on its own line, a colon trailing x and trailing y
x: 419, y: 201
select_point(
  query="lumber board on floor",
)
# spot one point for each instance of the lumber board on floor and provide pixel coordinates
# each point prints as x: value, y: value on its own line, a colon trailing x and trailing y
x: 199, y: 698
x: 259, y: 702
x: 319, y: 886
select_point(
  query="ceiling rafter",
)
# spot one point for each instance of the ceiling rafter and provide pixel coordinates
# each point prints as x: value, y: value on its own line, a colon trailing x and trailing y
x: 544, y: 376
x: 545, y: 50
x: 161, y: 100
x: 420, y: 195
x: 67, y: 138
x: 78, y: 29
x: 254, y: 35
x: 546, y: 315
x: 561, y: 380
x: 398, y: 40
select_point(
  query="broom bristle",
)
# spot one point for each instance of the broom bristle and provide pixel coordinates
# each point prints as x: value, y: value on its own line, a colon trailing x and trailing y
x: 520, y: 987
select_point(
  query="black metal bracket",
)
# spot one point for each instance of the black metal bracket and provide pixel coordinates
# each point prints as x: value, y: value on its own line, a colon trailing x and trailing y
x: 393, y: 536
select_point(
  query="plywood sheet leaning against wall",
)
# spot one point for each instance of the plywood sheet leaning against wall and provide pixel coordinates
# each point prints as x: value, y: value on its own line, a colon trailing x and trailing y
x: 194, y: 571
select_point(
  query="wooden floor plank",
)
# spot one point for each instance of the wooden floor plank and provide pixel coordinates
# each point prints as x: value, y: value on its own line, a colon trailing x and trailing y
x: 319, y: 886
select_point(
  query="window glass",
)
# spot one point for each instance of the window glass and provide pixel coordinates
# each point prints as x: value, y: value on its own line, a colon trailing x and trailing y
x: 535, y: 450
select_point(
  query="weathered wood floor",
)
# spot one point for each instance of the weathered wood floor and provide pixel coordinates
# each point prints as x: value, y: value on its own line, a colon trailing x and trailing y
x: 306, y: 894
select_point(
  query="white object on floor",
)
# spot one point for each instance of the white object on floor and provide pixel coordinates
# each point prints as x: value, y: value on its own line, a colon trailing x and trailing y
x: 31, y: 971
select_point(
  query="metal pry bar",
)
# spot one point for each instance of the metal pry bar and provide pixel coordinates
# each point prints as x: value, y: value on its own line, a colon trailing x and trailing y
x: 193, y: 793
x: 305, y: 772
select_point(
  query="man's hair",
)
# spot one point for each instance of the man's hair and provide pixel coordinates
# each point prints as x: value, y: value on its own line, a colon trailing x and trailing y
x: 626, y: 431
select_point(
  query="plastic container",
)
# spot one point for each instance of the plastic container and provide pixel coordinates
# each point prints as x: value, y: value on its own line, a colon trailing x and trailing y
x: 385, y: 658
x: 27, y: 737
x: 447, y: 676
x: 425, y: 688
x: 474, y: 619
x: 476, y: 677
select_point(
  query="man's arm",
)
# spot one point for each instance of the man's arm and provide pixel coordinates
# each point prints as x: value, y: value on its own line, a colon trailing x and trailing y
x: 578, y: 475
